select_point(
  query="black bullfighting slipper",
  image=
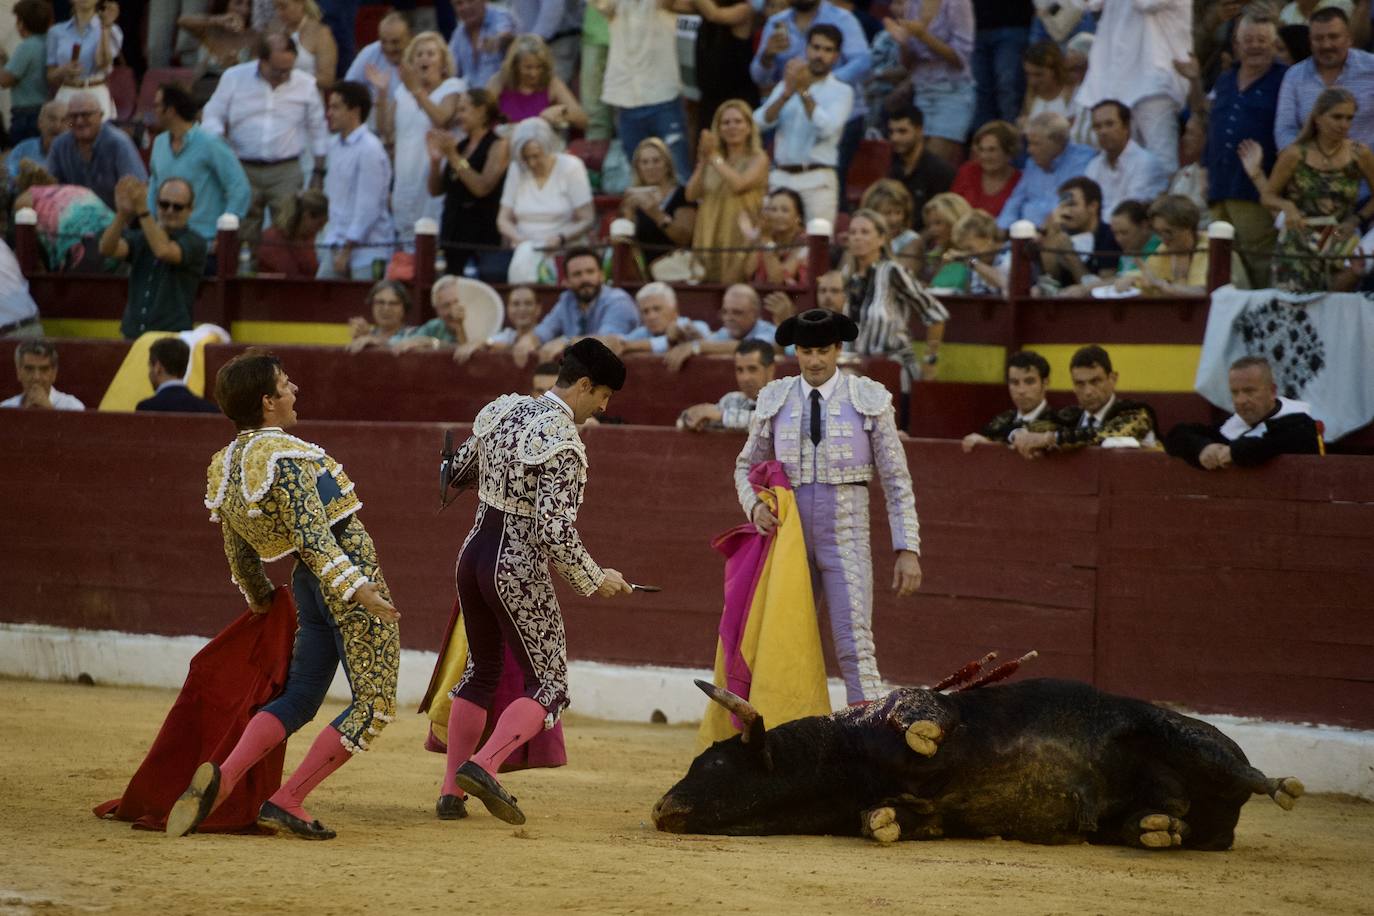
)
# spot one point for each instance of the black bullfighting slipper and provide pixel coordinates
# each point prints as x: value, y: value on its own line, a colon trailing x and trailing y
x: 478, y: 783
x: 276, y: 819
x: 450, y: 808
x: 195, y: 803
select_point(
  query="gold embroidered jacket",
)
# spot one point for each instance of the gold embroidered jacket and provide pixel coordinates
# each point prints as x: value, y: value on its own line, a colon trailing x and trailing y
x: 264, y: 490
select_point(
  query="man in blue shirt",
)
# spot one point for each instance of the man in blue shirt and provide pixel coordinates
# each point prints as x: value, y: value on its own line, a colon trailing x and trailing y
x: 1053, y: 161
x: 52, y: 119
x: 1334, y: 63
x: 1244, y: 101
x: 93, y: 154
x: 479, y: 42
x: 741, y: 317
x: 587, y: 308
x: 183, y: 150
x: 784, y: 37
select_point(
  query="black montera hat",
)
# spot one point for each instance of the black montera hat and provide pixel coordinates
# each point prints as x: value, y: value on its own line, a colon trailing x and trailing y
x: 816, y: 328
x: 603, y: 367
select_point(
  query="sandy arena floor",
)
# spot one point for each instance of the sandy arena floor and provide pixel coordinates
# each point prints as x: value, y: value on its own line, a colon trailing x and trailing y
x: 589, y: 846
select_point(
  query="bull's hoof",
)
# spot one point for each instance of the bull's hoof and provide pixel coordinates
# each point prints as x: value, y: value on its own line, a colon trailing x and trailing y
x: 923, y: 736
x: 1286, y: 791
x: 1160, y: 831
x: 881, y: 824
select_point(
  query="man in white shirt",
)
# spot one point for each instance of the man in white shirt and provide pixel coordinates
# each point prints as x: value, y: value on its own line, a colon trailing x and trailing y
x: 35, y: 362
x: 1124, y: 170
x: 809, y: 109
x: 270, y: 114
x: 1132, y: 61
x: 382, y: 58
x: 360, y: 232
x: 18, y: 311
x: 642, y: 76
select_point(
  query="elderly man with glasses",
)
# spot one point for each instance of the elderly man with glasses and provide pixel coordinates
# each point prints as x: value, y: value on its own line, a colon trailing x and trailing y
x: 93, y: 153
x: 166, y: 257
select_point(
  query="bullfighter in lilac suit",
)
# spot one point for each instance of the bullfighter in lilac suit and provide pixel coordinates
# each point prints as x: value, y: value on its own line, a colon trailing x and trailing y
x: 832, y: 432
x: 527, y: 461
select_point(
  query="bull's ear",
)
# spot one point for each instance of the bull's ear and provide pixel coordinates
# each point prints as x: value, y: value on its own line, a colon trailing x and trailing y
x: 753, y: 733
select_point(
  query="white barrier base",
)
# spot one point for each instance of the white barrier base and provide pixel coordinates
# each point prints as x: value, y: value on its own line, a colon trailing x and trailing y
x: 1325, y: 758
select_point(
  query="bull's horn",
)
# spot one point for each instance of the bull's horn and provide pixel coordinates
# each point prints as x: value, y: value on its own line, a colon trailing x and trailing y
x: 736, y: 704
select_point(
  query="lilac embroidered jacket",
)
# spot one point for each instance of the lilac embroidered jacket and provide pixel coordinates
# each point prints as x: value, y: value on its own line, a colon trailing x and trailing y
x: 860, y: 441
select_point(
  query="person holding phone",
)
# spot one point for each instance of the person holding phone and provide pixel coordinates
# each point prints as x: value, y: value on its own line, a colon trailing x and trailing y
x: 82, y: 50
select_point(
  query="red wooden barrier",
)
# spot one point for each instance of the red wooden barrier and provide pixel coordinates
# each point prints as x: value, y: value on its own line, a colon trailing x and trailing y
x: 1243, y: 592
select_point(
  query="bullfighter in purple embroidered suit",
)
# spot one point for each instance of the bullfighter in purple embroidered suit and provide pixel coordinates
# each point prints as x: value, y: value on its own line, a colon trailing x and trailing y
x: 530, y: 470
x: 832, y: 432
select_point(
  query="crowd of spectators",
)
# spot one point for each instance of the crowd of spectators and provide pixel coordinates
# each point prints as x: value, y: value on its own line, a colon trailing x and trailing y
x: 1118, y: 134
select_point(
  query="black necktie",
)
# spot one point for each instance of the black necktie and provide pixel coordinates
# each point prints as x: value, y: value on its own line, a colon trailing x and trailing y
x: 815, y: 417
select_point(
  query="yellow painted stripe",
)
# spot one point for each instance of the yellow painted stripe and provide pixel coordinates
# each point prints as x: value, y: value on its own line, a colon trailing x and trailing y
x: 1165, y: 368
x: 291, y: 332
x: 81, y: 327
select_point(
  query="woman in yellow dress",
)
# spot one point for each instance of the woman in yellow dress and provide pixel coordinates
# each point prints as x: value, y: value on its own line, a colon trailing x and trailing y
x: 730, y: 178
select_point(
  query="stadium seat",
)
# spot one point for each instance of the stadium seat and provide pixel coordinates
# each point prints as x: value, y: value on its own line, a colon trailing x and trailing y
x: 123, y: 88
x: 871, y: 162
x: 591, y: 152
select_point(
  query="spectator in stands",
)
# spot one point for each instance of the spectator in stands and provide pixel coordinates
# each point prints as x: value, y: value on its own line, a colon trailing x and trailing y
x: 82, y: 52
x: 479, y: 42
x: 1243, y: 105
x: 1048, y: 87
x: 35, y: 362
x: 226, y: 37
x: 661, y: 327
x: 1316, y: 185
x: 920, y: 170
x: 1053, y: 160
x: 471, y: 176
x: 1294, y: 44
x: 166, y: 257
x: 558, y: 24
x: 18, y: 311
x: 989, y: 177
x: 1099, y: 414
x: 1134, y: 234
x: 1132, y: 61
x: 522, y: 311
x: 939, y: 38
x: 93, y: 154
x: 1124, y: 169
x: 809, y: 109
x: 51, y: 122
x: 545, y: 377
x: 167, y: 362
x: 786, y: 35
x: 25, y: 74
x: 387, y: 301
x: 184, y: 150
x: 317, y: 54
x: 1179, y: 267
x: 657, y: 201
x: 784, y: 257
x: 596, y: 47
x: 379, y: 63
x: 290, y: 251
x: 1263, y: 427
x: 445, y: 329
x: 360, y: 234
x: 547, y: 198
x: 1077, y: 248
x: 1333, y: 64
x: 1000, y: 40
x: 983, y: 266
x: 883, y: 299
x: 754, y: 368
x: 587, y: 308
x: 830, y: 292
x: 429, y: 102
x: 70, y: 219
x: 527, y: 87
x: 270, y: 113
x: 641, y: 80
x: 1028, y: 383
x: 942, y: 214
x: 891, y: 198
x: 741, y: 316
x: 728, y: 182
x: 1190, y: 180
x: 889, y: 73
x: 166, y: 34
x: 724, y: 48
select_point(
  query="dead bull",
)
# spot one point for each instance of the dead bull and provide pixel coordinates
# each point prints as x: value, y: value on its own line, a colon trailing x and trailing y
x: 1043, y: 761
